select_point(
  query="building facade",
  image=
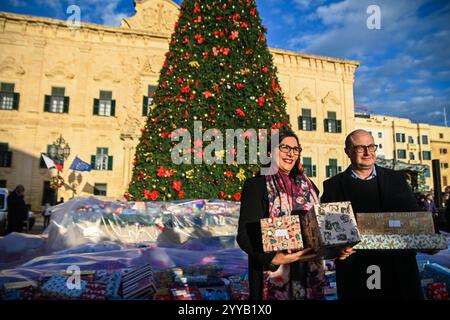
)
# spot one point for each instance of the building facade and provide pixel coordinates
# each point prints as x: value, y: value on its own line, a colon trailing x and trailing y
x: 91, y: 85
x: 410, y: 144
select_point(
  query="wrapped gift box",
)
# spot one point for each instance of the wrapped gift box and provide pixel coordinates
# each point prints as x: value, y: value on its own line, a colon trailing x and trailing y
x: 139, y: 283
x: 281, y: 233
x: 399, y: 231
x: 437, y: 291
x: 94, y: 291
x: 395, y: 223
x: 215, y: 293
x: 239, y: 290
x: 329, y: 227
x: 186, y: 293
x: 402, y: 242
x: 56, y: 287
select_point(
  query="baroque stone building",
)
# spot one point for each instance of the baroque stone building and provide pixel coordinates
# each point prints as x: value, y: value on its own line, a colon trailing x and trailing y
x: 90, y: 85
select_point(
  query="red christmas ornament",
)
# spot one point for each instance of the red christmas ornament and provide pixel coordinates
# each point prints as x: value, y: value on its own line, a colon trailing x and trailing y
x: 196, y: 9
x: 176, y: 185
x: 234, y: 35
x: 261, y: 101
x: 237, y: 196
x: 225, y: 51
x: 239, y: 112
x: 228, y: 174
x: 265, y: 69
x: 215, y: 51
x: 181, y: 194
x: 154, y: 195
x: 223, y: 196
x: 253, y: 11
x: 240, y: 86
x: 207, y: 94
x: 199, y: 38
x: 186, y: 89
x: 244, y: 25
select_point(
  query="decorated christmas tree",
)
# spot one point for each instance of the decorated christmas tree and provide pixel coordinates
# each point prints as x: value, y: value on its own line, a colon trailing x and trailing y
x: 218, y: 72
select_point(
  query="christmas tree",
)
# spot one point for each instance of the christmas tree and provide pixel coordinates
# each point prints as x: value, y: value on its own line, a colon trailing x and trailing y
x: 218, y: 71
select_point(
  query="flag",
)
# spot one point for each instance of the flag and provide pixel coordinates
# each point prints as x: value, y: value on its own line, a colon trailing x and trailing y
x: 51, y: 164
x: 80, y: 165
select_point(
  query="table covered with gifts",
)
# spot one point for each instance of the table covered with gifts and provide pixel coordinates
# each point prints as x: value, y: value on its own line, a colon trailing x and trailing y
x: 95, y: 249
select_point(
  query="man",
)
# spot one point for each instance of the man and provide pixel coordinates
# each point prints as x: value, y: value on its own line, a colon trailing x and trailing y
x: 371, y: 188
x: 17, y: 210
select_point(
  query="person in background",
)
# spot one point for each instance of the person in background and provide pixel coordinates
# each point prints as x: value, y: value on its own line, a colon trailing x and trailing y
x: 61, y: 200
x: 429, y: 204
x: 47, y: 212
x: 17, y: 210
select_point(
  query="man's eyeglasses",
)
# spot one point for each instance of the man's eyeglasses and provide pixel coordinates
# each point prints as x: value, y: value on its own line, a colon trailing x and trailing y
x: 370, y: 148
x: 286, y: 149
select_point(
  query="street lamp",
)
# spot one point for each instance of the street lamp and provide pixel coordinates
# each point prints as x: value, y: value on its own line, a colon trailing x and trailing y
x: 59, y: 150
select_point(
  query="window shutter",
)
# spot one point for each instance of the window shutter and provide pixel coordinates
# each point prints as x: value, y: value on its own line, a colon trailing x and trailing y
x: 314, y: 124
x: 47, y: 103
x: 93, y: 158
x: 314, y: 171
x: 338, y: 126
x: 66, y: 104
x: 16, y: 101
x: 110, y: 162
x: 300, y: 121
x: 327, y: 169
x: 339, y: 169
x: 145, y: 106
x: 96, y: 106
x: 113, y: 108
x: 325, y: 124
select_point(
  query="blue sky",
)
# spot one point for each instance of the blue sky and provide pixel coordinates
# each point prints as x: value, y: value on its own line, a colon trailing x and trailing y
x: 405, y: 65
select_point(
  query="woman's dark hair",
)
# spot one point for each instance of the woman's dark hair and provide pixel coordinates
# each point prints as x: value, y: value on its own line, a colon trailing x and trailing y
x: 282, y: 134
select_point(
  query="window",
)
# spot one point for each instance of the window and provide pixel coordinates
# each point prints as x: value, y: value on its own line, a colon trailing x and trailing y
x: 380, y: 146
x: 380, y: 134
x: 9, y: 100
x: 332, y: 169
x: 100, y: 189
x: 57, y: 102
x: 5, y: 155
x: 444, y: 180
x: 426, y: 155
x: 148, y: 100
x: 443, y: 151
x: 105, y: 105
x: 400, y: 137
x: 306, y: 122
x: 401, y: 154
x: 441, y: 136
x: 410, y: 139
x: 101, y: 160
x: 309, y: 168
x: 444, y: 165
x: 411, y: 156
x: 427, y: 172
x: 331, y: 124
x: 424, y: 139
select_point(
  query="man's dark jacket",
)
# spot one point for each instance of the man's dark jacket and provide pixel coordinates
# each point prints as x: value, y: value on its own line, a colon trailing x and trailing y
x: 399, y: 272
x: 17, y: 212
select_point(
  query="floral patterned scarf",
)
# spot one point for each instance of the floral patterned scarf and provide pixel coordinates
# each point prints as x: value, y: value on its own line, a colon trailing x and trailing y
x: 299, y: 280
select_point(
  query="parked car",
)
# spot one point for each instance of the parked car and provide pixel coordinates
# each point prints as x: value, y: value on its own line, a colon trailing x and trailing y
x: 3, y: 210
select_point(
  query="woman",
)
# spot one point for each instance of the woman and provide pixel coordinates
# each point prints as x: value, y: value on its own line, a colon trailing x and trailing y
x: 280, y: 276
